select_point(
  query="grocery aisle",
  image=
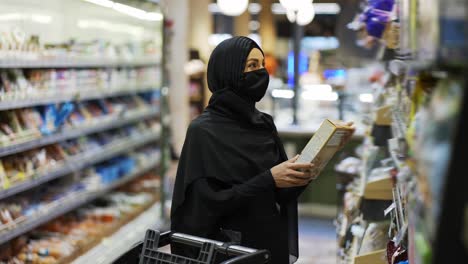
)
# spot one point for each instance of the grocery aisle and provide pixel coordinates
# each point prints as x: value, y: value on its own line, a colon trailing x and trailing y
x: 317, y: 241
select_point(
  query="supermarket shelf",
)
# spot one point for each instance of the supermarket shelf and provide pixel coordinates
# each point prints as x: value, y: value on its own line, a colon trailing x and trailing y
x: 68, y: 205
x: 121, y: 241
x: 75, y: 132
x: 78, y: 95
x: 399, y: 126
x: 393, y: 148
x: 81, y: 161
x: 77, y: 63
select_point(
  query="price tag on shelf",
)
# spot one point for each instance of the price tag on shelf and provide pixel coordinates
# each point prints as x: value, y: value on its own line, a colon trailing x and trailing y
x: 389, y: 209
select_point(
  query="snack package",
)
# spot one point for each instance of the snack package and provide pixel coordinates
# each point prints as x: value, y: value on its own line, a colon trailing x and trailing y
x: 49, y: 115
x: 329, y: 138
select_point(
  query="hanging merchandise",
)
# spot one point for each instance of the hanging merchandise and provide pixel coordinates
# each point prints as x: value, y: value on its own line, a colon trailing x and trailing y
x: 377, y: 23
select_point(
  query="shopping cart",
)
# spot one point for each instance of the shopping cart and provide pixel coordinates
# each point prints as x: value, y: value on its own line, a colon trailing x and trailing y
x: 147, y: 252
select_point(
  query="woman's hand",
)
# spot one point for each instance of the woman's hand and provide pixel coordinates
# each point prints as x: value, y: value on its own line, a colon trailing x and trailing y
x: 287, y: 174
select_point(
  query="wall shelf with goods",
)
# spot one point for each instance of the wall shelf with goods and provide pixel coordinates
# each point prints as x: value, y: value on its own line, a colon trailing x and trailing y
x: 407, y: 203
x: 82, y: 142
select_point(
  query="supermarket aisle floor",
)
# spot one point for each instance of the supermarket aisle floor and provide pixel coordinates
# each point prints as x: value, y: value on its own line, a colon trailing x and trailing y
x: 317, y: 241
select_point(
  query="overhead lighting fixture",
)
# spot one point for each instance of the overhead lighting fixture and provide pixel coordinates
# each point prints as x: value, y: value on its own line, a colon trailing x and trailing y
x: 37, y: 18
x: 104, y: 3
x: 366, y: 98
x: 282, y: 93
x: 215, y: 39
x: 233, y: 8
x: 318, y: 88
x: 256, y: 37
x: 153, y: 16
x: 254, y: 25
x: 254, y: 8
x: 214, y: 8
x: 110, y: 27
x: 305, y: 15
x: 323, y: 94
x: 43, y: 19
x: 320, y: 9
x: 295, y: 5
x: 128, y: 10
x: 327, y: 8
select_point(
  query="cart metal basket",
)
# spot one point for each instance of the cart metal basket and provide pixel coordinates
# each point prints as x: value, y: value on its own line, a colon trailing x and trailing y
x: 147, y: 252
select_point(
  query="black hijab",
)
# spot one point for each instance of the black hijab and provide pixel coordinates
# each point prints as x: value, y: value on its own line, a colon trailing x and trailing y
x: 225, y: 72
x: 231, y: 141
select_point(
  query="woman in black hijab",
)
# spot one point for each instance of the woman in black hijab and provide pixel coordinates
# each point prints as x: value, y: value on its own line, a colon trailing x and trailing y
x: 234, y: 182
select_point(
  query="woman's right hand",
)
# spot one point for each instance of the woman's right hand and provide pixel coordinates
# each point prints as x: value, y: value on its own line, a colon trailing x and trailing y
x: 287, y: 174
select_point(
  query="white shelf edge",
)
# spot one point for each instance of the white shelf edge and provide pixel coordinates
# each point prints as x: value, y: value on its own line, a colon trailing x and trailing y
x: 120, y: 242
x: 77, y: 63
x: 80, y: 95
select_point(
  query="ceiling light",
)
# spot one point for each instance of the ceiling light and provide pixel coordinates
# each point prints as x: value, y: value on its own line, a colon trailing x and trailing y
x: 255, y: 8
x: 282, y: 93
x: 153, y: 16
x: 320, y: 88
x: 43, y: 19
x: 305, y: 15
x: 366, y: 98
x: 233, y: 8
x: 128, y: 10
x: 215, y: 39
x: 295, y: 5
x: 319, y: 95
x: 213, y: 8
x: 104, y: 3
x: 254, y: 25
x: 320, y: 9
x: 327, y: 8
x: 291, y: 15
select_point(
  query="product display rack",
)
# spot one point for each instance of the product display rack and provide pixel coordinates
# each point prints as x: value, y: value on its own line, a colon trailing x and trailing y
x: 80, y: 162
x: 81, y: 95
x: 127, y: 84
x: 118, y: 121
x: 408, y: 203
x: 76, y: 63
x: 69, y: 205
x: 128, y: 235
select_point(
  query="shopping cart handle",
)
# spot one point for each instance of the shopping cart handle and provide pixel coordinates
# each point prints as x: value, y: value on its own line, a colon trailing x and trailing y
x: 259, y: 256
x: 233, y: 250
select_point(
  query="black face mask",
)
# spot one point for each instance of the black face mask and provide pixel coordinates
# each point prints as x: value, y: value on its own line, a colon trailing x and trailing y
x: 254, y: 84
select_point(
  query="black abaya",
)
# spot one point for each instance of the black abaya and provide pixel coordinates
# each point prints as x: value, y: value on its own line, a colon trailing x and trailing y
x: 223, y: 180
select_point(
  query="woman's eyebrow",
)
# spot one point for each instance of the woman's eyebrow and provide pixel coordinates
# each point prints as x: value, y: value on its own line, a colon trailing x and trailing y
x: 254, y: 59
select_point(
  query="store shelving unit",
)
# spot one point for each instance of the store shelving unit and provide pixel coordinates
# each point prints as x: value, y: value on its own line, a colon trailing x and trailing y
x: 68, y: 204
x: 427, y: 151
x: 66, y: 62
x: 111, y: 247
x: 84, y: 94
x: 72, y: 132
x: 81, y: 161
x: 143, y: 72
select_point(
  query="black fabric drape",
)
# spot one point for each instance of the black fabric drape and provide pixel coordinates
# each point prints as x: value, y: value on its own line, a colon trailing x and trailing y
x: 223, y: 179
